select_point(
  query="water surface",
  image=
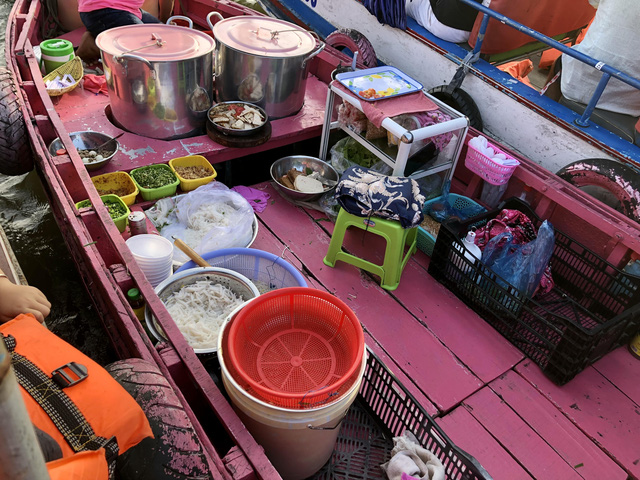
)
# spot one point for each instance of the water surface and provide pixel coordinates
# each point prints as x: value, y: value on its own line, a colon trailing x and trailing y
x: 35, y: 238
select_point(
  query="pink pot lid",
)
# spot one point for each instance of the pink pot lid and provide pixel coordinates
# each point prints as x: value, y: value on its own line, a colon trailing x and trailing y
x: 161, y: 43
x: 264, y: 36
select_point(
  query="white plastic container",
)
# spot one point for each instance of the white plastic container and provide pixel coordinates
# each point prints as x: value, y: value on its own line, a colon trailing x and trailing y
x: 297, y: 442
x: 153, y: 254
x: 471, y: 252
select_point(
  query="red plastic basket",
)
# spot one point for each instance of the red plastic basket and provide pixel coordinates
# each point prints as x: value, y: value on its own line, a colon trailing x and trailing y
x: 296, y: 347
x: 490, y: 170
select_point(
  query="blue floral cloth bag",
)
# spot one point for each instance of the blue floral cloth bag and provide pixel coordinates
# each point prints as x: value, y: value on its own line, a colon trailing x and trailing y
x: 366, y: 193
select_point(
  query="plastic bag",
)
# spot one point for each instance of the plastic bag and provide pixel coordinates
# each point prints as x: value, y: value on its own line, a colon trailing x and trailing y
x: 523, y: 264
x: 445, y: 208
x: 329, y: 205
x: 349, y: 153
x: 212, y: 217
x: 352, y: 118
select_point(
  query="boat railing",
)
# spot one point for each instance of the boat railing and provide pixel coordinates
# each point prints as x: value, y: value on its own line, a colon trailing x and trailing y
x: 607, y: 70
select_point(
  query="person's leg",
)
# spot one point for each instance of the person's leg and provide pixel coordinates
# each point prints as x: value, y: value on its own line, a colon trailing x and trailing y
x: 100, y: 20
x: 148, y: 18
x: 97, y: 22
x: 87, y: 49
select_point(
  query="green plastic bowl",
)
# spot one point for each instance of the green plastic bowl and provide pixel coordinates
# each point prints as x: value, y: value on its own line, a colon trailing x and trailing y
x: 160, y: 192
x: 121, y: 221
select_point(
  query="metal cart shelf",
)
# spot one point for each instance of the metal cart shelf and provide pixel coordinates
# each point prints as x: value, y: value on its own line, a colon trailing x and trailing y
x: 397, y: 159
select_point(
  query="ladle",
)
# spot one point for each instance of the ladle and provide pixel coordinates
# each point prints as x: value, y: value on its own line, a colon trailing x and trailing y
x: 108, y: 141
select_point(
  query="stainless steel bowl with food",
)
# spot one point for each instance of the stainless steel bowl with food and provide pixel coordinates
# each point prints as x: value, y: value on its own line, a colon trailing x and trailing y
x: 237, y: 118
x: 199, y: 301
x: 96, y: 149
x: 304, y: 178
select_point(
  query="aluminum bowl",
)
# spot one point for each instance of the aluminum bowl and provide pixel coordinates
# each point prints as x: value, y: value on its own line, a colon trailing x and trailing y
x: 239, y: 284
x: 86, y: 141
x: 301, y: 162
x: 230, y: 131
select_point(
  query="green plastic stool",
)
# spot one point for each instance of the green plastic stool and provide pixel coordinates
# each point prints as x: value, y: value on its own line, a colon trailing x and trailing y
x: 394, y: 258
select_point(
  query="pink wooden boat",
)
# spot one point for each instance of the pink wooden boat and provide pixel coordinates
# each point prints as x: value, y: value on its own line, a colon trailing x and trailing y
x: 444, y: 359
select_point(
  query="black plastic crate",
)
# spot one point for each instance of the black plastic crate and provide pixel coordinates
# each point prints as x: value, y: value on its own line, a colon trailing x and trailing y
x: 592, y: 309
x: 385, y: 409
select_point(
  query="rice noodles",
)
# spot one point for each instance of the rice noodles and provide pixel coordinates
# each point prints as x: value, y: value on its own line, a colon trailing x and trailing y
x: 199, y: 309
x: 205, y: 218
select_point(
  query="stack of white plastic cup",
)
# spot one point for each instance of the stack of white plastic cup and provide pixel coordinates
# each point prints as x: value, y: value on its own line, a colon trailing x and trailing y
x: 154, y: 255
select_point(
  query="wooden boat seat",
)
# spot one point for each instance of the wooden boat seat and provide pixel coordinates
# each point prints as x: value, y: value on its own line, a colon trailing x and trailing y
x: 622, y: 125
x: 562, y: 21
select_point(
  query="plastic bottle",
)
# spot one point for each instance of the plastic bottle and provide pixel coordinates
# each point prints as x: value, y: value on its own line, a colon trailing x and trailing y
x: 137, y: 302
x: 471, y: 251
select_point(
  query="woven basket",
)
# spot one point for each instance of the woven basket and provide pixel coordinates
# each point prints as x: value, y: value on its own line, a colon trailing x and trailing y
x: 72, y: 67
x: 491, y: 171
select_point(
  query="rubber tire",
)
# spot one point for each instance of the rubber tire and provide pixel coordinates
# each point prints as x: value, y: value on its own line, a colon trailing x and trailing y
x: 605, y: 173
x: 175, y: 451
x: 16, y: 157
x: 461, y: 101
x: 356, y: 42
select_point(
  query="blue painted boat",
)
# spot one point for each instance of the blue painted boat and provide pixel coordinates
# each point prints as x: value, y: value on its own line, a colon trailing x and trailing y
x: 547, y: 132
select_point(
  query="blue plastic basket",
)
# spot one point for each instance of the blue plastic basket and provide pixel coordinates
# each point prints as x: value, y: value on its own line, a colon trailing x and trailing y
x: 426, y: 241
x: 266, y: 270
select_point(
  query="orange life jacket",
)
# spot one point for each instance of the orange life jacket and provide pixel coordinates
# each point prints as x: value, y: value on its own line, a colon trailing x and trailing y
x: 107, y: 407
x: 549, y: 17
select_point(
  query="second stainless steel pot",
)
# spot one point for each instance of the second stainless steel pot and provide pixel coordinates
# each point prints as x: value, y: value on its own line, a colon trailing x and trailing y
x: 159, y: 77
x: 264, y: 61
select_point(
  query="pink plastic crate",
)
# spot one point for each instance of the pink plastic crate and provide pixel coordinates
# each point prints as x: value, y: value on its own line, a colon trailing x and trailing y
x: 490, y: 170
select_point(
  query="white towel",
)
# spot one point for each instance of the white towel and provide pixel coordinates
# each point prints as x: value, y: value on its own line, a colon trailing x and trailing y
x: 409, y: 458
x: 482, y: 145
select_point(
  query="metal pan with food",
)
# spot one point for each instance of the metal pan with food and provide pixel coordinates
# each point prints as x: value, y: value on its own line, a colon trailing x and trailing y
x: 237, y: 118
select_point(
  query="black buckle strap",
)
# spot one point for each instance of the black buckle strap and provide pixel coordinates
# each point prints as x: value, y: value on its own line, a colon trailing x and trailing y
x: 59, y: 407
x: 69, y: 374
x: 9, y: 342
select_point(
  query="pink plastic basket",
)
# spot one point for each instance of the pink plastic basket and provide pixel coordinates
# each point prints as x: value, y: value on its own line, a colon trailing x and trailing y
x: 491, y: 171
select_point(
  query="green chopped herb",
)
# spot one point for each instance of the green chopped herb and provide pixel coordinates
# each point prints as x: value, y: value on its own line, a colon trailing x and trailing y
x: 153, y: 177
x: 116, y: 209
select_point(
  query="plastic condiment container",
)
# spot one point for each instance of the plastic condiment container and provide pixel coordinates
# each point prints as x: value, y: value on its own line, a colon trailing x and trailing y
x: 134, y: 297
x: 55, y: 52
x: 137, y: 223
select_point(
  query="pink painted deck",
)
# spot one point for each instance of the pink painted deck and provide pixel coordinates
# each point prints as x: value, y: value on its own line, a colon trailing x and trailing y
x: 494, y: 403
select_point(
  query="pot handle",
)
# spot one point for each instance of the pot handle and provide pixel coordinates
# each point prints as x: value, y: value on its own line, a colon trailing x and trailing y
x: 180, y: 17
x: 314, y: 53
x: 217, y: 14
x: 127, y: 56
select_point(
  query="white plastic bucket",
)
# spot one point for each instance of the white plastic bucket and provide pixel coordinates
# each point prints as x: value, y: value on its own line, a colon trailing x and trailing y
x: 297, y: 442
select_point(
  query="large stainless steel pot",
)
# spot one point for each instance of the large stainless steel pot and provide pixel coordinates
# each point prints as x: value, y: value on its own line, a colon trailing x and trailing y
x: 160, y: 78
x: 264, y: 61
